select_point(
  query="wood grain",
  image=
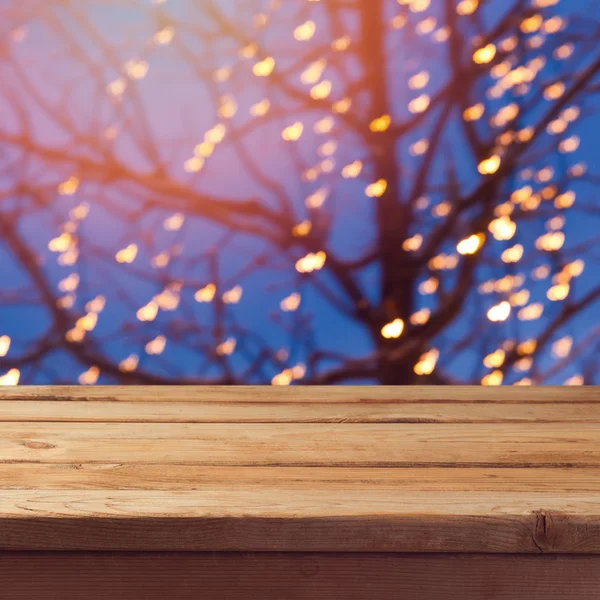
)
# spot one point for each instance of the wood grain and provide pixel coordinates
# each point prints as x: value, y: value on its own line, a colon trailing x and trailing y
x: 293, y: 520
x: 364, y: 469
x: 312, y: 394
x: 296, y: 412
x: 123, y: 476
x: 298, y: 576
x: 312, y: 444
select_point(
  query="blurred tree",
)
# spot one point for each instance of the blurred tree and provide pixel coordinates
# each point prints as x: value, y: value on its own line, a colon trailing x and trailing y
x: 253, y: 191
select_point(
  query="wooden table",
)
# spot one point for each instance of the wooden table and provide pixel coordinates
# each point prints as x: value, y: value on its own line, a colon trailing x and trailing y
x: 300, y: 493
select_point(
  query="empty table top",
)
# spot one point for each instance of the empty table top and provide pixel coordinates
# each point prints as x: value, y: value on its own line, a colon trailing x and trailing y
x: 369, y: 469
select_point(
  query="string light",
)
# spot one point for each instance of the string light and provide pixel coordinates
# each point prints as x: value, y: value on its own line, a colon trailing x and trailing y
x: 328, y: 115
x: 393, y: 329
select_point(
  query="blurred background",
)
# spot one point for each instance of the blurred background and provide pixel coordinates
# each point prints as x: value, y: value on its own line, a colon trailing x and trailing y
x: 299, y: 191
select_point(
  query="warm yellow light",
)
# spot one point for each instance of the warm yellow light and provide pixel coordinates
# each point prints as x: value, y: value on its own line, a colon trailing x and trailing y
x: 305, y: 31
x: 380, y: 124
x: 264, y: 67
x: 233, y: 296
x: 413, y: 243
x: 260, y: 109
x: 553, y: 24
x: 291, y: 303
x: 531, y: 312
x: 69, y: 187
x: 352, y: 170
x: 512, y: 255
x: 128, y: 254
x: 248, y: 51
x: 223, y: 74
x: 467, y: 7
x: 87, y: 322
x: 311, y: 262
x: 429, y: 286
x: 564, y: 51
x: 136, y: 69
x: 90, y: 377
x: 419, y: 81
x: 569, y: 145
x: 169, y: 298
x: 342, y: 106
x: 499, y: 312
x: 341, y: 44
x: 148, y: 312
x: 69, y: 284
x: 473, y: 113
x: 527, y: 347
x: 321, y: 90
x: 427, y: 362
x: 164, y: 36
x: 377, y: 189
x: 493, y: 378
x: 558, y: 292
x: 193, y: 165
x: 227, y: 347
x: 293, y: 132
x: 129, y: 364
x: 562, y: 347
x: 531, y: 24
x: 419, y: 105
x: 116, y: 88
x: 301, y: 229
x: 419, y: 148
x: 442, y: 209
x: 206, y: 294
x: 11, y: 378
x: 325, y: 125
x: 4, y: 345
x: 283, y: 378
x: 575, y: 268
x: 61, y: 243
x: 156, y: 346
x: 398, y: 22
x: 418, y: 6
x: 554, y: 91
x: 495, y: 359
x: 393, y: 329
x: 313, y: 72
x: 551, y: 241
x: 174, y: 222
x: 484, y: 55
x: 420, y: 317
x: 317, y: 199
x: 502, y: 228
x: 490, y: 165
x: 471, y: 244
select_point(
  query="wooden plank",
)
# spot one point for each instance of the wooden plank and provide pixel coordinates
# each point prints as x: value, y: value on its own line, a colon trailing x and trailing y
x: 282, y: 519
x: 295, y: 412
x: 297, y: 576
x: 130, y: 507
x: 233, y: 469
x: 313, y: 394
x: 314, y: 444
x: 122, y: 476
